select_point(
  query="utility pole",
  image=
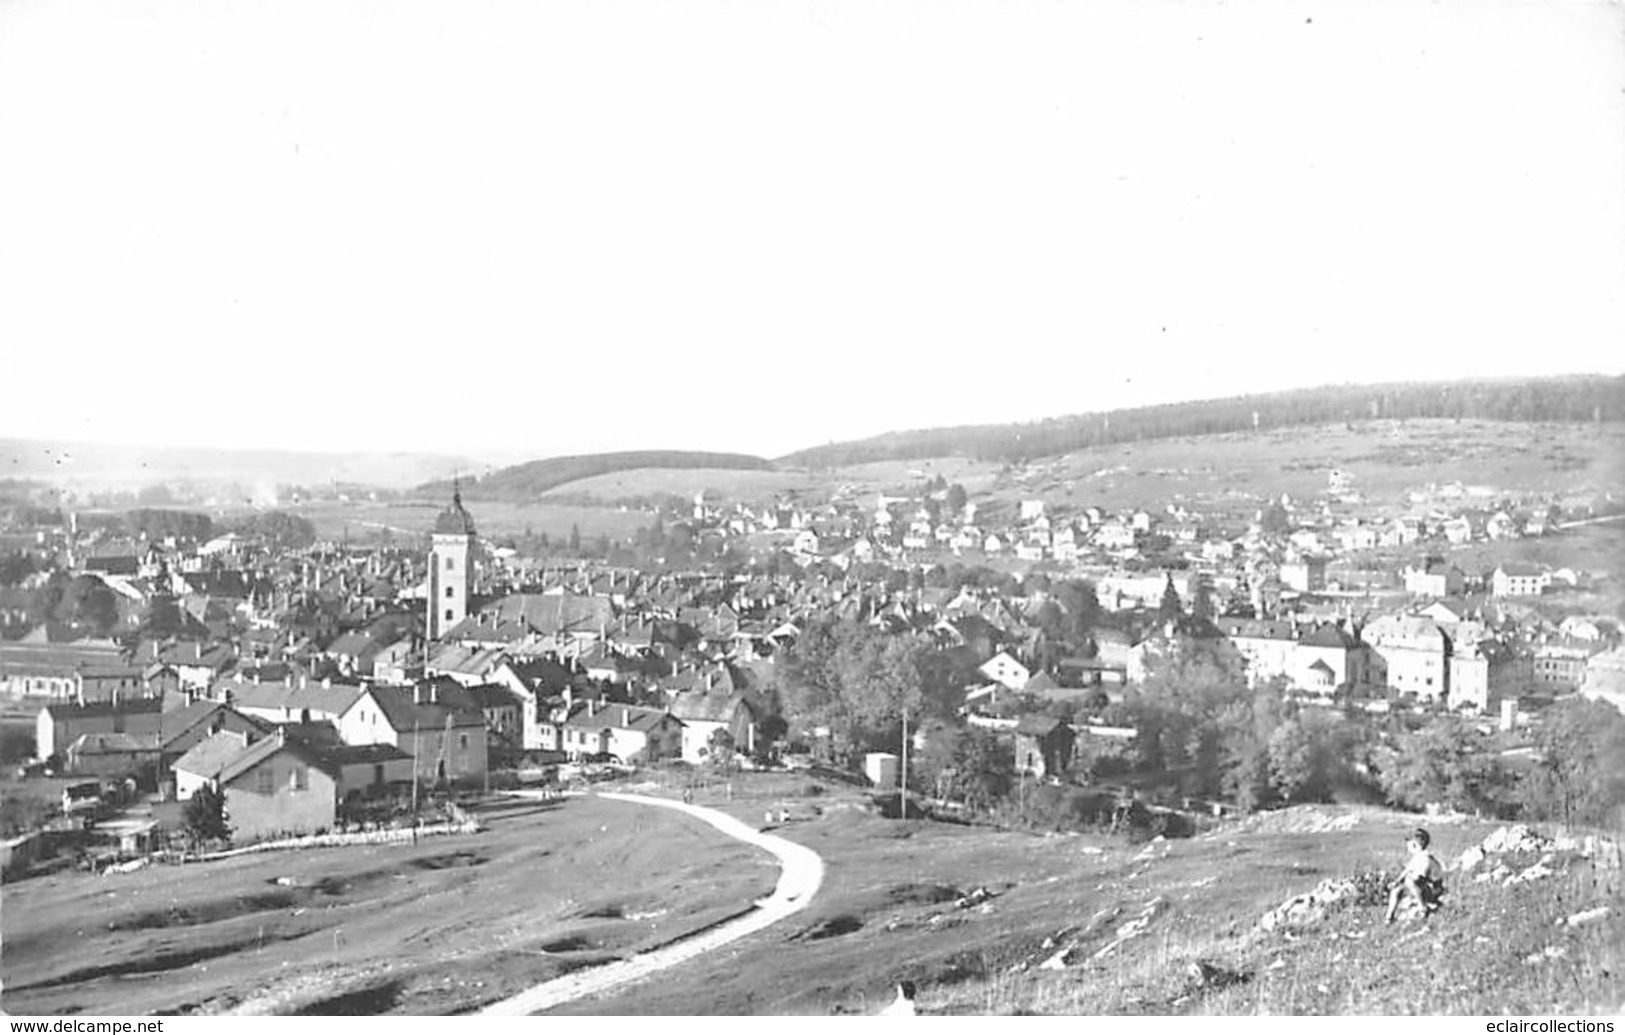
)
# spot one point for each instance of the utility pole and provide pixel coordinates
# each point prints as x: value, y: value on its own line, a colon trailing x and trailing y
x: 415, y: 778
x: 903, y: 770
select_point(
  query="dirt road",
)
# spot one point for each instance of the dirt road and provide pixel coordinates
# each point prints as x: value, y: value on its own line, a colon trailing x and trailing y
x: 801, y: 873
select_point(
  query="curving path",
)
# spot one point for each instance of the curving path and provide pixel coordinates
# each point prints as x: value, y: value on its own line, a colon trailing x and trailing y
x: 801, y: 872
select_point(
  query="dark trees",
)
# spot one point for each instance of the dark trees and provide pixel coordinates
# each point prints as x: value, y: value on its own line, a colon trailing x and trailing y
x: 1581, y: 775
x: 205, y: 816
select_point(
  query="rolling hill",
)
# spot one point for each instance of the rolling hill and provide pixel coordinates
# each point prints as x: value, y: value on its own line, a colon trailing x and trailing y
x: 1581, y: 398
x: 525, y: 482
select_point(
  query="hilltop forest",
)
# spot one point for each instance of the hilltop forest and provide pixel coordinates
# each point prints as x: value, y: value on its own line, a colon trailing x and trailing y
x: 1559, y: 399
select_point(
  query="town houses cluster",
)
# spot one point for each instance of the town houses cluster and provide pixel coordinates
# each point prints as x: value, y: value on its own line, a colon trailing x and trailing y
x: 294, y: 680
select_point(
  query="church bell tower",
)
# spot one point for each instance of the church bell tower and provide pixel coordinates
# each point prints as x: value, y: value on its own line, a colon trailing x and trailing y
x: 450, y: 575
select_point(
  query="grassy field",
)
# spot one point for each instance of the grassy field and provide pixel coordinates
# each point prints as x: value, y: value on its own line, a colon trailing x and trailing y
x: 894, y: 477
x: 890, y: 909
x: 1386, y: 459
x: 437, y: 927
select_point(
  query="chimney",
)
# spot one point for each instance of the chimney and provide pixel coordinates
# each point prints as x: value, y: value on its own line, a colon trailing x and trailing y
x: 592, y: 707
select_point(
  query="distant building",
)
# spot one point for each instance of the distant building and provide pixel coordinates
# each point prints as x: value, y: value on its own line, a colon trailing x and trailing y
x: 1561, y: 666
x: 1409, y: 654
x: 35, y: 667
x: 1484, y: 673
x: 705, y: 711
x: 1519, y: 580
x: 630, y: 733
x: 1434, y: 578
x: 1006, y: 671
x: 1043, y: 745
x: 1306, y: 576
x: 59, y: 725
x: 1605, y: 677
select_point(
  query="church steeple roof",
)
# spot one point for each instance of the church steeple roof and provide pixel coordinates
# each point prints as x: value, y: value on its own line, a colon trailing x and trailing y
x: 454, y: 520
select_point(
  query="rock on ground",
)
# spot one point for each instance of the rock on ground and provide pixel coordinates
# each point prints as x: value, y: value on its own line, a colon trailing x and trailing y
x: 1310, y: 907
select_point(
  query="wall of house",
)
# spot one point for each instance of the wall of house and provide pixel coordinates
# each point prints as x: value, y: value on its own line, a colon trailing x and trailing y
x: 1029, y: 754
x: 52, y: 737
x: 1563, y: 670
x: 95, y: 689
x: 1042, y: 757
x: 665, y: 741
x: 1422, y: 672
x: 627, y: 745
x: 1267, y: 658
x: 542, y: 735
x: 45, y: 744
x: 463, y: 751
x: 187, y: 784
x: 254, y: 815
x: 364, y: 724
x: 1346, y: 665
x: 578, y: 742
x: 696, y: 739
x: 1007, y: 671
x: 538, y: 733
x: 110, y: 763
x: 361, y: 776
x: 16, y: 685
x: 504, y: 725
x: 1470, y: 682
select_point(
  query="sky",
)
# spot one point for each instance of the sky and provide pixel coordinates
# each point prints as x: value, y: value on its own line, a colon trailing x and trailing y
x: 524, y: 229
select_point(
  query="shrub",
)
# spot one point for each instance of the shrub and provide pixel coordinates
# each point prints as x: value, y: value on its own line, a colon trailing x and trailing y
x: 1371, y: 888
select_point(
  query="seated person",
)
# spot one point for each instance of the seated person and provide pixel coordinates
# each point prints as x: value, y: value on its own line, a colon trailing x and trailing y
x: 903, y: 1005
x: 1422, y: 878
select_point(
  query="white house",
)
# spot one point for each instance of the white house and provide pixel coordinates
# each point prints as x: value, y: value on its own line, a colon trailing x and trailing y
x: 1519, y: 580
x: 1005, y: 670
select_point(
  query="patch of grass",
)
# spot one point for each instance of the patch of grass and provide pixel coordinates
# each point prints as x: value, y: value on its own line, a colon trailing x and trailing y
x: 28, y: 804
x: 17, y: 740
x: 452, y: 922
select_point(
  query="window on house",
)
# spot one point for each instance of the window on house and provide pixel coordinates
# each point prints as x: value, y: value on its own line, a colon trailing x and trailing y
x: 450, y: 592
x: 451, y: 562
x: 299, y: 779
x: 462, y: 742
x: 448, y: 614
x: 262, y: 780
